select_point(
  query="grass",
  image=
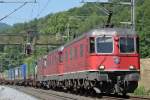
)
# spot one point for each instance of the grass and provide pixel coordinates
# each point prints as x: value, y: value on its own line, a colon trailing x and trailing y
x: 141, y: 91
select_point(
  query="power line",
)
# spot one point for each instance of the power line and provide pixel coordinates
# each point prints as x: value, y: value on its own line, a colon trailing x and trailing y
x: 31, y: 14
x: 38, y: 9
x: 34, y: 1
x: 43, y: 9
x: 32, y: 10
x: 13, y: 11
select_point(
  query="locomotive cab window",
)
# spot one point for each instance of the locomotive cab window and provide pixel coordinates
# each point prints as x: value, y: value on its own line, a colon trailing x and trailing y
x: 104, y: 44
x: 137, y: 44
x: 127, y: 45
x: 92, y: 45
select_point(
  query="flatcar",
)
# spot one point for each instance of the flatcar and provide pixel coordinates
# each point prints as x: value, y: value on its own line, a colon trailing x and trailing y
x: 23, y: 75
x: 104, y: 60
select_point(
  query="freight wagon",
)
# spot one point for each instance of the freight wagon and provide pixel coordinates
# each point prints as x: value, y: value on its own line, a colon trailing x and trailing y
x: 30, y: 71
x: 6, y: 80
x: 11, y: 75
x: 1, y: 77
x: 20, y: 74
x: 23, y: 75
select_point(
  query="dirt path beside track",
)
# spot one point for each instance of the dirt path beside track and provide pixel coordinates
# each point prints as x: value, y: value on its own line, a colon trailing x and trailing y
x: 7, y: 93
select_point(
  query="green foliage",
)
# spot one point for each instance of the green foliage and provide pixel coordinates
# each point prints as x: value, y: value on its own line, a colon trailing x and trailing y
x: 12, y: 57
x: 4, y: 27
x: 29, y: 59
x: 81, y: 19
x: 141, y: 91
x: 143, y: 27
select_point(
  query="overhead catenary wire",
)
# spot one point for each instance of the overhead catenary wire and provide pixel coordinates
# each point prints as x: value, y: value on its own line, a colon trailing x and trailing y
x: 13, y: 11
x: 43, y: 9
x: 31, y: 14
x: 32, y: 10
x: 34, y: 1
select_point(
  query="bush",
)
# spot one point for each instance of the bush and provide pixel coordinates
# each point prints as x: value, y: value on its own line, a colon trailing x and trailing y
x: 141, y: 91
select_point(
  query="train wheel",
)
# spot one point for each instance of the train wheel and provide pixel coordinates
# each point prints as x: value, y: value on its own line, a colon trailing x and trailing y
x: 124, y: 94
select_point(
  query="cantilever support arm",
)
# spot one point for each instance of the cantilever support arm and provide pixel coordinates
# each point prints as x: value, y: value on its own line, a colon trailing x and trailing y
x: 108, y: 24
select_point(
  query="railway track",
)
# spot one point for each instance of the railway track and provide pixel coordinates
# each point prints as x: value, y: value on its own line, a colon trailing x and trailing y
x: 113, y: 97
x: 44, y: 94
x: 54, y: 95
x: 139, y: 98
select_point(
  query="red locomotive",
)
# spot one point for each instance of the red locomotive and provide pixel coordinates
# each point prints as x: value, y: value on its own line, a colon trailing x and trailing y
x: 105, y: 60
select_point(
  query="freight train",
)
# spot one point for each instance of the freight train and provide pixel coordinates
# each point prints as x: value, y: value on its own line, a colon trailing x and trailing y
x: 21, y: 75
x: 102, y: 60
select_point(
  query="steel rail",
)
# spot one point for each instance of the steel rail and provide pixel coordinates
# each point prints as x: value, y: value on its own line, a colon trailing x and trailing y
x: 66, y: 96
x: 49, y: 95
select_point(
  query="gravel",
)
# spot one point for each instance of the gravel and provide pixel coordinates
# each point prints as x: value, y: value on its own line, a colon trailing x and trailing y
x: 7, y: 93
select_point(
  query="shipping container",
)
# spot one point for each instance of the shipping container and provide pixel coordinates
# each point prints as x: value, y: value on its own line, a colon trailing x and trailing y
x: 1, y: 76
x: 17, y: 73
x: 11, y: 74
x: 6, y: 74
x: 23, y: 71
x: 36, y: 71
x: 30, y: 70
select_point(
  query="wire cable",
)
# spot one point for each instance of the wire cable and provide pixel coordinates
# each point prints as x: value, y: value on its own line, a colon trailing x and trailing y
x: 13, y: 11
x: 34, y: 1
x: 32, y: 10
x: 31, y: 14
x: 43, y: 9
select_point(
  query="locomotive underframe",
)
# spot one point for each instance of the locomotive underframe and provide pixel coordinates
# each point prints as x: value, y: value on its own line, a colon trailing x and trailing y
x: 99, y: 81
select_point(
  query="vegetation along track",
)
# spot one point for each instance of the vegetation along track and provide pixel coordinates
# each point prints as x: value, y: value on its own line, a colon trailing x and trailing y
x: 139, y: 98
x: 116, y: 97
x: 54, y: 95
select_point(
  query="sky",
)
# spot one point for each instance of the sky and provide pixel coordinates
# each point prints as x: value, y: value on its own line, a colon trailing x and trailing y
x: 35, y: 10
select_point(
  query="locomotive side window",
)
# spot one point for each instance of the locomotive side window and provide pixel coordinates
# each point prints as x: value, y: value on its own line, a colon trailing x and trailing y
x: 48, y: 60
x: 81, y: 50
x: 52, y: 59
x: 75, y: 52
x: 104, y: 44
x: 66, y: 56
x: 127, y: 44
x: 92, y: 45
x: 70, y: 53
x: 56, y: 58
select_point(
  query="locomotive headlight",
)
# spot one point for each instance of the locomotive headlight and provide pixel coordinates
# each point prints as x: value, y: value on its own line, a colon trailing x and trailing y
x: 131, y: 67
x: 101, y: 67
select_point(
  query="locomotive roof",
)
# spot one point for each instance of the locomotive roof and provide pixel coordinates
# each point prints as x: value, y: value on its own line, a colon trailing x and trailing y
x: 97, y: 32
x: 110, y: 31
x: 104, y: 31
